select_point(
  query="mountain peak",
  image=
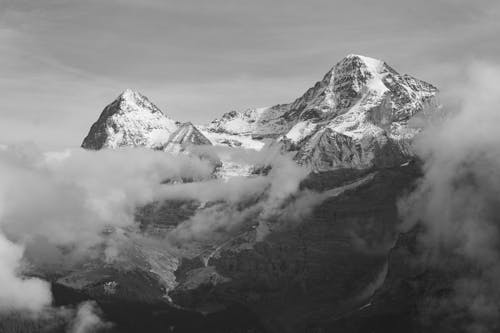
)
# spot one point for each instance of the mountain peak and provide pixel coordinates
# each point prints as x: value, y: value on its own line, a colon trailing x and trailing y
x: 351, y: 62
x: 357, y: 113
x: 186, y: 135
x: 363, y: 102
x: 187, y: 124
x: 365, y: 59
x: 133, y: 101
x: 129, y: 94
x: 130, y: 120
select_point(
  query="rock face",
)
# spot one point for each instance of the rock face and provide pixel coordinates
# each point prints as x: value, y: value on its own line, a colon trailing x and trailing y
x: 186, y: 135
x: 361, y: 110
x: 418, y: 294
x: 130, y: 120
x: 299, y: 279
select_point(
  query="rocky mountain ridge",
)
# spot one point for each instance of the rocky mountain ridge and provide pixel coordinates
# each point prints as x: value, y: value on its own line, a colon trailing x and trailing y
x: 362, y: 106
x: 362, y: 114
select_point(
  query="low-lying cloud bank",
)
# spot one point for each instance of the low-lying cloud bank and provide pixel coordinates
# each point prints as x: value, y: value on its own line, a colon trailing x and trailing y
x: 67, y: 200
x: 458, y: 200
x: 239, y: 199
x: 30, y: 294
x: 63, y: 206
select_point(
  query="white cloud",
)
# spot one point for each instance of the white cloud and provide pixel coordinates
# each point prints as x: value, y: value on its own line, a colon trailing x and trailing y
x: 88, y: 319
x: 16, y: 292
x: 458, y: 199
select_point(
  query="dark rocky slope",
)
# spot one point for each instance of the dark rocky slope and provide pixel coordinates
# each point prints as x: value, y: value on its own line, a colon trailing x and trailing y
x: 316, y: 271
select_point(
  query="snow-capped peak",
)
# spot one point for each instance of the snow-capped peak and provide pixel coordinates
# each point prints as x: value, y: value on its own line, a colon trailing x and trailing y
x: 339, y: 89
x: 376, y: 69
x: 131, y: 100
x: 129, y: 94
x: 130, y: 120
x: 355, y: 117
x: 372, y: 63
x: 363, y: 102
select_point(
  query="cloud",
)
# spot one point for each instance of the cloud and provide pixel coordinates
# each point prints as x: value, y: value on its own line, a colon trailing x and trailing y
x: 61, y: 207
x: 66, y: 207
x: 16, y: 292
x: 68, y: 199
x: 270, y: 202
x: 238, y: 200
x: 458, y: 198
x: 88, y: 319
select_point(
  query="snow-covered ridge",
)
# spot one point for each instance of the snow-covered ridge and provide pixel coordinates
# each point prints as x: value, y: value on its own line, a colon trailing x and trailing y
x: 341, y: 87
x: 357, y: 116
x: 359, y: 109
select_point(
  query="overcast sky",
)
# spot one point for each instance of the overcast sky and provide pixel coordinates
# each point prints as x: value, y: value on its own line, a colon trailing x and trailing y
x: 62, y: 61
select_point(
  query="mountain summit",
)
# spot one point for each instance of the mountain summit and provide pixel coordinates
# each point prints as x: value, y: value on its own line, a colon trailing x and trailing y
x: 186, y: 135
x: 130, y: 120
x: 347, y: 83
x: 355, y: 117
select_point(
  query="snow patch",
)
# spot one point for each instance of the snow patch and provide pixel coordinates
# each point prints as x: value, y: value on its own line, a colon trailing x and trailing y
x: 300, y: 131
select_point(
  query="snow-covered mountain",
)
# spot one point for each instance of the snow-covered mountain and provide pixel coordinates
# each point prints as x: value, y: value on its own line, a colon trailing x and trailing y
x: 130, y: 120
x: 362, y: 115
x: 357, y: 116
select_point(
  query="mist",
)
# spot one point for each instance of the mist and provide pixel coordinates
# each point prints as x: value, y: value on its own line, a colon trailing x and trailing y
x: 60, y: 208
x: 458, y: 199
x: 30, y: 294
x: 239, y: 199
x: 88, y: 319
x: 69, y: 197
x: 49, y: 200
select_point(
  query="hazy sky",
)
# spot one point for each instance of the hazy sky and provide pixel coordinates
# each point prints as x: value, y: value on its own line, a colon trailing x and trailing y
x: 62, y: 61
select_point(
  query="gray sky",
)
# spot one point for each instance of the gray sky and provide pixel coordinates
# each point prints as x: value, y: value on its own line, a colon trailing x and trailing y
x: 62, y: 61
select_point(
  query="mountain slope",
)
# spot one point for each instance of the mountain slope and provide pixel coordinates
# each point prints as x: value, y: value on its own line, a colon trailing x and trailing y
x: 130, y: 120
x: 361, y: 101
x: 186, y: 135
